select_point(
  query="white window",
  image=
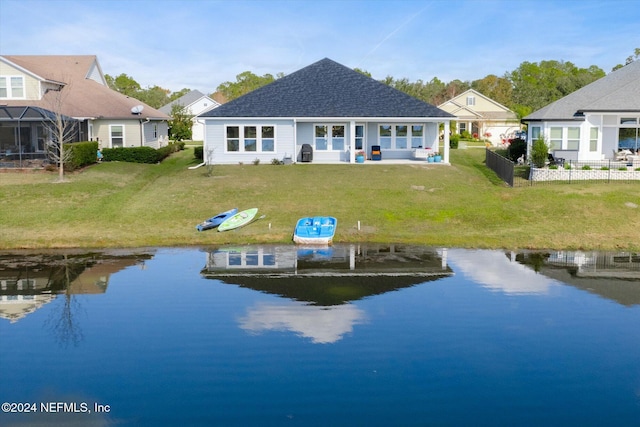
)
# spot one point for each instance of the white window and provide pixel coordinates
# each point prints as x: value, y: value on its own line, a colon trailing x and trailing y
x: 417, y: 136
x: 593, y: 139
x: 155, y: 131
x: 385, y: 138
x: 12, y: 87
x: 573, y: 138
x: 555, y: 138
x: 400, y: 137
x: 329, y: 137
x: 116, y: 135
x: 250, y: 139
x: 535, y: 132
x: 359, y: 137
x: 471, y: 100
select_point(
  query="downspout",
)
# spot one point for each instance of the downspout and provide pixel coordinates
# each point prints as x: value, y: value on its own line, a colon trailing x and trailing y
x: 295, y: 140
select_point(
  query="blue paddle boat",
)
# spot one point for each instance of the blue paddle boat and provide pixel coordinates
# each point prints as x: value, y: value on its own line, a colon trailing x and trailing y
x: 316, y: 230
x: 215, y: 221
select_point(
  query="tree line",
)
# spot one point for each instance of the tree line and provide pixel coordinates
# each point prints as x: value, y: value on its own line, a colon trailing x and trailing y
x: 528, y: 88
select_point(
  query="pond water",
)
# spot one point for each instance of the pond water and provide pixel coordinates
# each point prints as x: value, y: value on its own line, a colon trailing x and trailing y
x: 377, y: 335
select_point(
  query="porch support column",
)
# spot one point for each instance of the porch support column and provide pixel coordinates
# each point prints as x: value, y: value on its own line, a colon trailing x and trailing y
x: 445, y: 142
x: 352, y: 141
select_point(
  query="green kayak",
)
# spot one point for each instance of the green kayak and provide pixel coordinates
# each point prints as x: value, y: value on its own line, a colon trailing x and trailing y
x: 238, y: 220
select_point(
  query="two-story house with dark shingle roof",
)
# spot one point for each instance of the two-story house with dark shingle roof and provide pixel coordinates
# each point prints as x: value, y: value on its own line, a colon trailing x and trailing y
x: 330, y: 108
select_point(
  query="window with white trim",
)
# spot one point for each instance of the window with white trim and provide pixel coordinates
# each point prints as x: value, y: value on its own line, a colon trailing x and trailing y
x: 417, y: 136
x: 573, y: 138
x: 116, y: 135
x: 401, y: 137
x: 250, y: 139
x: 471, y: 100
x: 329, y: 137
x: 593, y: 139
x: 12, y: 87
x: 398, y: 137
x: 555, y: 138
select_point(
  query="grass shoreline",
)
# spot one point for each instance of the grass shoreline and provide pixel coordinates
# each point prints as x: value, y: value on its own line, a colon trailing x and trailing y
x: 122, y: 205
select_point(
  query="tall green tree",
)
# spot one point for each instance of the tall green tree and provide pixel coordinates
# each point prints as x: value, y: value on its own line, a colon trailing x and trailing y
x: 538, y: 84
x: 245, y: 83
x: 154, y: 96
x: 180, y: 125
x: 497, y: 88
x: 124, y: 84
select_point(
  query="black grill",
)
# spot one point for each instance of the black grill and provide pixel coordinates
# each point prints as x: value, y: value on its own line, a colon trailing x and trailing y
x: 306, y: 153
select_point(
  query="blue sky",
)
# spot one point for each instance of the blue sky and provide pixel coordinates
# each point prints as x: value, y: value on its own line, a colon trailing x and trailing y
x: 199, y: 44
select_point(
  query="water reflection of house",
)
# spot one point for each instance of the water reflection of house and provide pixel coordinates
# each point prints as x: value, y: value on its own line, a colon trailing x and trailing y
x: 612, y: 275
x: 326, y: 275
x: 320, y: 283
x: 28, y: 281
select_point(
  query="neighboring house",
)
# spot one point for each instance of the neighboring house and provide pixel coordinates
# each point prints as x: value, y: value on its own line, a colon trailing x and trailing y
x: 30, y: 87
x: 195, y: 102
x: 594, y: 122
x: 482, y: 116
x: 331, y: 108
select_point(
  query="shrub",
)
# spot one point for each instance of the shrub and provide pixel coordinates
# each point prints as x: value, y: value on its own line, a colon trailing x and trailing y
x: 135, y: 154
x: 80, y: 154
x: 256, y: 161
x: 454, y: 139
x: 517, y: 148
x: 553, y: 166
x: 198, y: 152
x: 586, y: 168
x: 539, y: 152
x: 276, y: 162
x: 622, y: 168
x: 604, y: 168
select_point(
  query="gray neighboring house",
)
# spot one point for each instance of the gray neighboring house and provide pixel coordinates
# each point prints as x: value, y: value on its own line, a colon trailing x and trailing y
x: 195, y: 102
x: 334, y: 110
x: 594, y: 122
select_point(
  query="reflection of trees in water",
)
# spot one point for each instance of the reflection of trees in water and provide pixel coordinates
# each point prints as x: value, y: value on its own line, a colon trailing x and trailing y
x: 63, y: 322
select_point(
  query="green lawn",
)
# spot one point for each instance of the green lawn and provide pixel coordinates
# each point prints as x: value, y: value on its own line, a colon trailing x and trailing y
x: 463, y: 205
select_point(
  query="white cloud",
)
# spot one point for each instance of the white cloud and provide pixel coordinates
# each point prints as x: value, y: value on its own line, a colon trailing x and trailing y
x: 323, y: 325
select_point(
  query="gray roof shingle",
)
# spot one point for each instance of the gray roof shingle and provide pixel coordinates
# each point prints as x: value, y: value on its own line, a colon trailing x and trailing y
x: 326, y: 89
x: 618, y: 91
x: 185, y: 100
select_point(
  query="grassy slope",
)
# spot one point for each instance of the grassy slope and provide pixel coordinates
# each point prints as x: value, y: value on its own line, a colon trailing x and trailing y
x: 464, y: 205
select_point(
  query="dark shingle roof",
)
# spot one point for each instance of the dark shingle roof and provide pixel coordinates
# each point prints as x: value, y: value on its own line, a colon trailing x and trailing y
x: 326, y: 89
x: 617, y: 91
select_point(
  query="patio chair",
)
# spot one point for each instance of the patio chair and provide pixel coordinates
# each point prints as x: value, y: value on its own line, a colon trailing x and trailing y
x: 558, y: 161
x: 619, y: 155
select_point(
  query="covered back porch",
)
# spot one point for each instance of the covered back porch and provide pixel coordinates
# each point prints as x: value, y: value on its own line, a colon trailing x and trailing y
x: 378, y: 139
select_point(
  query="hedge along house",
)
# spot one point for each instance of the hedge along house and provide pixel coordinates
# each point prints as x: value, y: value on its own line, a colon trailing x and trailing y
x: 594, y: 122
x: 33, y: 89
x: 329, y: 108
